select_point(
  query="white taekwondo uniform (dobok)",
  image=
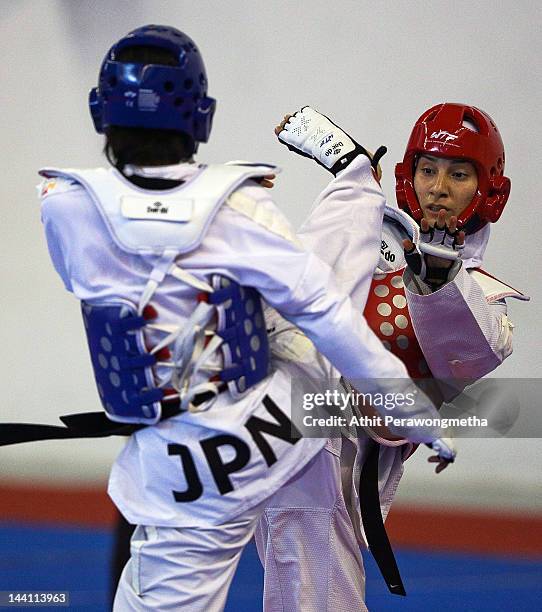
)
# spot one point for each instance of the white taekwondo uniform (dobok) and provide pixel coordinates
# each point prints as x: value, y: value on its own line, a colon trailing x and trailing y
x: 311, y: 530
x: 187, y: 550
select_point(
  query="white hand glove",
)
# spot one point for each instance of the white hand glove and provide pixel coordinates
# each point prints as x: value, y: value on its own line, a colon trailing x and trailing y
x: 435, y: 242
x: 440, y: 243
x: 445, y: 449
x: 311, y: 134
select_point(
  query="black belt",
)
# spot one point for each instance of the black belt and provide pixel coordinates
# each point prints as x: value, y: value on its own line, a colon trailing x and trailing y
x: 373, y: 525
x: 87, y: 424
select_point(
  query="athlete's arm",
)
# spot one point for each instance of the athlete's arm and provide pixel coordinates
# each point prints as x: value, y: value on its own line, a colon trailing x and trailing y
x: 302, y: 288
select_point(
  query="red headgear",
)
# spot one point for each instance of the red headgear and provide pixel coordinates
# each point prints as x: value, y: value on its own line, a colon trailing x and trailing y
x: 463, y: 132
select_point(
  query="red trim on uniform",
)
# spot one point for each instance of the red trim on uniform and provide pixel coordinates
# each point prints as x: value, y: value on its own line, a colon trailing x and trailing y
x: 497, y: 279
x: 452, y: 529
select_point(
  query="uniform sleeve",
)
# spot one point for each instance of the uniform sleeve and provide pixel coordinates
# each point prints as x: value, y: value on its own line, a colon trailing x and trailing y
x: 344, y: 228
x: 56, y: 251
x: 461, y: 333
x: 302, y: 288
x: 290, y: 345
x: 329, y: 232
x: 53, y: 195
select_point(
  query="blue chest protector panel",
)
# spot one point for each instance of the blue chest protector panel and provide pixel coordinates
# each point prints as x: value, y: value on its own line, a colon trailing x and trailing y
x: 121, y: 363
x: 241, y: 325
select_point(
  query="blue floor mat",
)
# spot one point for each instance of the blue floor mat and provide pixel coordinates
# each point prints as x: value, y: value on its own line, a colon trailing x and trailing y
x: 76, y: 560
x: 452, y: 582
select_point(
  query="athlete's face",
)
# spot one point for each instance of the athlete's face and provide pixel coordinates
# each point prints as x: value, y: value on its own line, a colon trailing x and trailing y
x: 446, y: 184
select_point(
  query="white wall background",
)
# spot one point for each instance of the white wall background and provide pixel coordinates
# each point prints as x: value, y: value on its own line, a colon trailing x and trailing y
x: 373, y: 66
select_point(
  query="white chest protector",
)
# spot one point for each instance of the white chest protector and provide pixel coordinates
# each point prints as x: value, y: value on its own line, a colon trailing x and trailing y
x: 146, y: 222
x: 161, y: 225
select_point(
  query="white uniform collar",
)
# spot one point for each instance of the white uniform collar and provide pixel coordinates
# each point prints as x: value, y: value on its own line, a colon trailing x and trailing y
x: 475, y: 246
x: 173, y: 172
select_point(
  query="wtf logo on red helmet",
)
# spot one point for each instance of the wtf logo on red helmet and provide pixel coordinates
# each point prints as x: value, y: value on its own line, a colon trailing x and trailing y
x: 444, y: 136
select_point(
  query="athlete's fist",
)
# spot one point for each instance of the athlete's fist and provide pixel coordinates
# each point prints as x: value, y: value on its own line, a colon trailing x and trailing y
x: 438, y: 255
x: 313, y: 135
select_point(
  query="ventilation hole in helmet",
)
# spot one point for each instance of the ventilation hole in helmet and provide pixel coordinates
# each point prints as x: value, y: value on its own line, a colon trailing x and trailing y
x: 493, y: 171
x: 470, y: 124
x: 178, y: 101
x: 112, y: 81
x: 188, y: 84
x: 499, y: 163
x: 193, y: 46
x: 169, y: 86
x: 201, y: 78
x: 187, y: 114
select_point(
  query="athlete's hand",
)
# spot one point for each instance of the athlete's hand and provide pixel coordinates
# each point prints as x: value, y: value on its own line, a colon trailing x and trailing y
x: 280, y: 126
x: 267, y: 180
x: 446, y: 453
x: 442, y: 463
x: 313, y: 135
x: 439, y: 250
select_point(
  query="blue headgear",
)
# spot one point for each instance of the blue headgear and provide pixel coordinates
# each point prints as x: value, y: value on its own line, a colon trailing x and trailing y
x: 150, y: 95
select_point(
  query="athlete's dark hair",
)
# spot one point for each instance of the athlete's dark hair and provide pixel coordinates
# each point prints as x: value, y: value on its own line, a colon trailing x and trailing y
x: 142, y: 146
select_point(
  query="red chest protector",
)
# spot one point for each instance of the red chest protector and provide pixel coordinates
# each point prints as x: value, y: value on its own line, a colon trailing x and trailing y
x: 387, y: 315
